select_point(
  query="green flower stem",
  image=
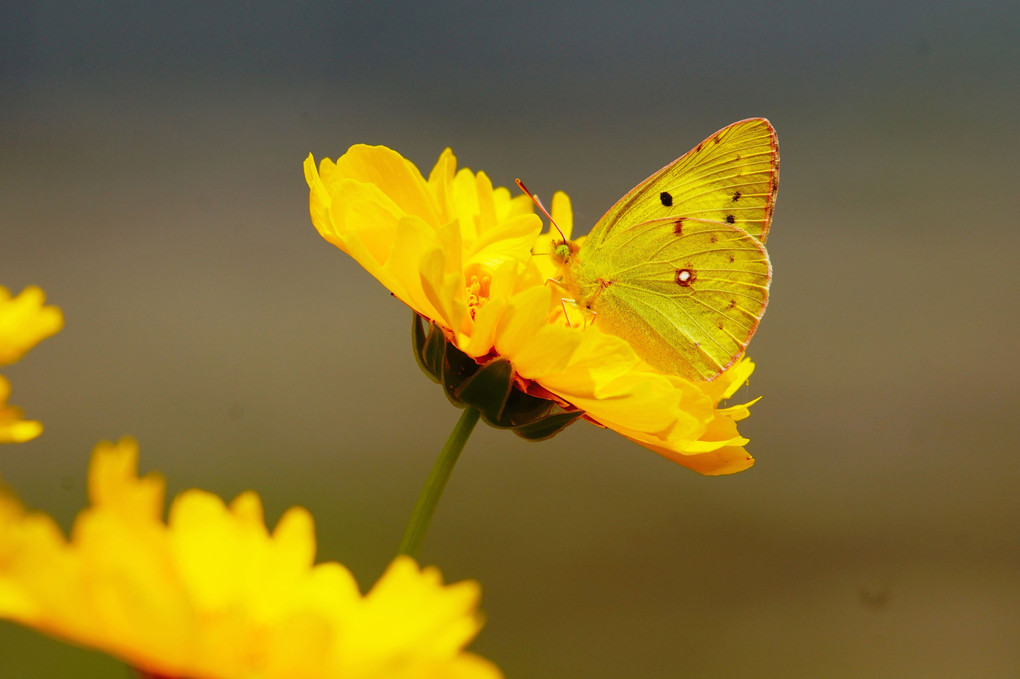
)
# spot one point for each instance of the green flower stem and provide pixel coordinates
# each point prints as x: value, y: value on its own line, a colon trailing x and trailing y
x: 421, y: 517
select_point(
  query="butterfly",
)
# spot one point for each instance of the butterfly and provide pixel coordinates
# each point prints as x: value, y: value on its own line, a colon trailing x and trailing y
x: 678, y: 267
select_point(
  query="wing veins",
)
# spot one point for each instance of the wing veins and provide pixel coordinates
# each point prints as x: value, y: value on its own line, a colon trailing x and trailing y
x: 682, y: 330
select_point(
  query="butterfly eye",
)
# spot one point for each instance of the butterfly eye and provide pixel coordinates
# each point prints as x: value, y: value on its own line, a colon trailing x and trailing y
x: 561, y: 253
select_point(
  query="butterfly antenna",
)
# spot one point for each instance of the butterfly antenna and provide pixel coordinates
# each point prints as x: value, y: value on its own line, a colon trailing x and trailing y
x: 541, y: 207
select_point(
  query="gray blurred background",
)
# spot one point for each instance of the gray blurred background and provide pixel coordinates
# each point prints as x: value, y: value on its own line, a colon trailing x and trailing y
x: 151, y: 183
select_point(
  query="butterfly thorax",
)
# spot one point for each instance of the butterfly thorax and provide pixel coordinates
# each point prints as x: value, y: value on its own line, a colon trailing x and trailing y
x: 581, y: 284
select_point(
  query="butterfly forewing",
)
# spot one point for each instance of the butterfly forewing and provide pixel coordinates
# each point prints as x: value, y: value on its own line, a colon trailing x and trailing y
x: 687, y: 298
x: 731, y: 177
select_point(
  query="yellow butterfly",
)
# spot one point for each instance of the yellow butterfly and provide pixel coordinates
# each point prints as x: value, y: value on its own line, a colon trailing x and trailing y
x: 678, y: 267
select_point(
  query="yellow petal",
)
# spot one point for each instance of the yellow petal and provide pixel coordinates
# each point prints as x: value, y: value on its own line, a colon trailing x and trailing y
x: 13, y: 429
x: 24, y: 322
x: 214, y: 593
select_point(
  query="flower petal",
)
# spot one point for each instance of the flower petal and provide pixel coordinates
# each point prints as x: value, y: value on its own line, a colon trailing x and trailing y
x: 24, y: 322
x: 213, y: 593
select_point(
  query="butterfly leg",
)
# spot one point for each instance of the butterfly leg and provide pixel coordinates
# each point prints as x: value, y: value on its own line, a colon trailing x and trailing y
x: 563, y: 303
x: 566, y: 315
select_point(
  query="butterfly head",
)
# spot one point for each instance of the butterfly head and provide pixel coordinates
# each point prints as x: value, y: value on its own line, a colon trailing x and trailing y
x: 563, y: 252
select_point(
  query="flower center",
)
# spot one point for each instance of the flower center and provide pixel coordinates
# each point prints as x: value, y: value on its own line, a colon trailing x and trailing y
x: 477, y: 293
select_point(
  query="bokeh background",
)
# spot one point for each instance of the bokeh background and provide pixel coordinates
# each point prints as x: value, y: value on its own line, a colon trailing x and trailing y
x: 151, y: 183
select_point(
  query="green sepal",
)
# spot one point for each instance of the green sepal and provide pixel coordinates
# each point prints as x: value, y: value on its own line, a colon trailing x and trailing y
x: 489, y: 387
x: 458, y: 370
x: 548, y: 426
x: 524, y: 409
x: 429, y: 348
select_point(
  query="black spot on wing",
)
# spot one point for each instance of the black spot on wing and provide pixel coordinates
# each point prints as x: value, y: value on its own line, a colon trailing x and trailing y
x: 730, y: 219
x: 666, y: 199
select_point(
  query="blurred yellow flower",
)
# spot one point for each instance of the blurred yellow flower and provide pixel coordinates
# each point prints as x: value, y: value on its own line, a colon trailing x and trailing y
x: 471, y: 258
x: 24, y: 322
x: 211, y: 593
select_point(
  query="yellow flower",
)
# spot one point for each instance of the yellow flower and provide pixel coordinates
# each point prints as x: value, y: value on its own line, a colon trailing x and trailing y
x: 13, y: 429
x: 460, y: 253
x: 24, y: 322
x: 211, y: 593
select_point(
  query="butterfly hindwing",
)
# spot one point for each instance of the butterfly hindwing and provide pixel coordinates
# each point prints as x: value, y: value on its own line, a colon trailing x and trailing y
x: 687, y: 294
x: 731, y: 177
